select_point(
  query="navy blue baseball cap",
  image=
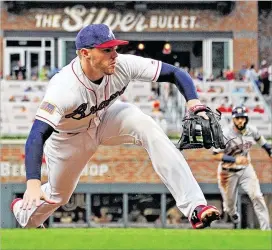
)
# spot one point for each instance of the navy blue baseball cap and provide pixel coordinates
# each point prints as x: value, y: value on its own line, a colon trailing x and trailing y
x: 97, y: 36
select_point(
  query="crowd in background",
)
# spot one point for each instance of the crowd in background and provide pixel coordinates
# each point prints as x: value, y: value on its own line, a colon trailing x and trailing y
x: 261, y: 77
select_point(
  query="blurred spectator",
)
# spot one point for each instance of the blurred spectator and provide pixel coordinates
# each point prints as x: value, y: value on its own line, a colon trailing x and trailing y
x: 258, y: 109
x: 248, y: 89
x: 221, y: 89
x: 19, y: 71
x: 158, y: 115
x: 245, y: 99
x: 270, y: 73
x: 199, y: 74
x: 155, y: 87
x: 105, y: 217
x: 8, y: 77
x: 43, y: 73
x: 136, y: 99
x: 210, y: 78
x: 173, y: 216
x: 80, y: 219
x: 136, y: 216
x: 25, y: 99
x: 66, y: 218
x: 36, y: 99
x: 223, y: 108
x: 198, y: 89
x: 229, y: 74
x: 252, y: 76
x: 264, y: 77
x: 211, y: 89
x: 226, y: 100
x: 28, y: 89
x: 12, y: 99
x: 34, y: 73
x: 213, y: 99
x: 242, y: 73
x: 257, y: 100
x: 238, y: 90
x: 52, y: 72
x: 230, y: 107
x: 20, y: 76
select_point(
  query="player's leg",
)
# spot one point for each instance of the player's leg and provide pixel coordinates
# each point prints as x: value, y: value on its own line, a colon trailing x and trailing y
x: 125, y: 123
x: 66, y: 158
x: 251, y: 185
x: 228, y: 185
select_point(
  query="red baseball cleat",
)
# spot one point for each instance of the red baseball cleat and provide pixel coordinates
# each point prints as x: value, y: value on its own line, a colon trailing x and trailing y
x: 203, y: 216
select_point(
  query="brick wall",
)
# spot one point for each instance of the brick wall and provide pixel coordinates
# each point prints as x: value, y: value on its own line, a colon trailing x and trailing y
x: 245, y: 51
x: 242, y: 21
x: 131, y: 164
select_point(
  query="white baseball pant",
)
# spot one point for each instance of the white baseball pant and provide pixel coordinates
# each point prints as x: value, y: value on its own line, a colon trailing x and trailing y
x: 67, y: 155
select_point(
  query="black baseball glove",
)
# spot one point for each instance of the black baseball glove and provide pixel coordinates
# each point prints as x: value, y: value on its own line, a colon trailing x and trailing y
x: 199, y: 132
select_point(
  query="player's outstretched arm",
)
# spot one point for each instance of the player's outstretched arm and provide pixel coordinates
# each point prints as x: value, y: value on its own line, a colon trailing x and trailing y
x: 39, y: 133
x: 211, y: 130
x: 184, y: 83
x: 263, y: 143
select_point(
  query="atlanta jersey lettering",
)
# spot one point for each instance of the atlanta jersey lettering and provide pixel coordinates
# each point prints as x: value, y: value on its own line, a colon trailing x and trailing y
x: 72, y: 103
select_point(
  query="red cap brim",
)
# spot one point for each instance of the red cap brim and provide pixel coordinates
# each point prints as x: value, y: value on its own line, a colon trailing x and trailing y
x: 111, y: 43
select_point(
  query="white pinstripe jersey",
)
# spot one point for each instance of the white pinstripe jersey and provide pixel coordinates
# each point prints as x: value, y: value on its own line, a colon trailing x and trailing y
x: 239, y: 143
x: 72, y: 103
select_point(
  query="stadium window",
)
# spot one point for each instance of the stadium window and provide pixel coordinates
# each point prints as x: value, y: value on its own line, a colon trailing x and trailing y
x: 106, y: 208
x: 144, y: 208
x: 47, y: 43
x: 23, y: 43
x: 72, y: 214
x: 48, y: 58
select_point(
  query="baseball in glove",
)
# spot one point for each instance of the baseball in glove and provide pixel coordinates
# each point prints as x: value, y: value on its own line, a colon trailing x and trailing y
x: 199, y: 132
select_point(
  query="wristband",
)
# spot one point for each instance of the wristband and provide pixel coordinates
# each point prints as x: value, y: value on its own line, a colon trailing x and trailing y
x: 267, y: 148
x: 228, y: 158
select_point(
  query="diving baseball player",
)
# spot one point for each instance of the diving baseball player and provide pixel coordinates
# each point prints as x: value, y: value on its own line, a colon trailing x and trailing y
x: 235, y: 167
x: 80, y: 111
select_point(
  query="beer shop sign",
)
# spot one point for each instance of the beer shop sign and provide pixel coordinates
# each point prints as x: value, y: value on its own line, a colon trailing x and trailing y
x: 76, y: 17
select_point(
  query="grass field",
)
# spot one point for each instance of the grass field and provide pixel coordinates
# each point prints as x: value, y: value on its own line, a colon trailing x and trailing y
x: 132, y: 239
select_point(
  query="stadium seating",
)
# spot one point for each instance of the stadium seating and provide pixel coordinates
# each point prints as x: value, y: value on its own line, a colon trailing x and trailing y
x: 20, y: 100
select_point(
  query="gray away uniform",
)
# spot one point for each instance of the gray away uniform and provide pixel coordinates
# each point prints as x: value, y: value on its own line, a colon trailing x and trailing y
x: 231, y: 175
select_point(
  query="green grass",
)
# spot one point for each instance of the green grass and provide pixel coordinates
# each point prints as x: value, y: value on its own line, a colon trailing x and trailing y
x: 134, y: 239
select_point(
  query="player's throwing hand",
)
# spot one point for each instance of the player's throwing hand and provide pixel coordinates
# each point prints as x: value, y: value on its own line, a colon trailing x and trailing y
x: 34, y: 195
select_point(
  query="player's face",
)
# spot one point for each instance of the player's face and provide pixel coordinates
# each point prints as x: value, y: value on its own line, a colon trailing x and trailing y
x: 239, y: 122
x: 103, y: 60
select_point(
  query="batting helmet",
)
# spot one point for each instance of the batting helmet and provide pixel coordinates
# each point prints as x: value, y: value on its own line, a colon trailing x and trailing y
x: 240, y: 111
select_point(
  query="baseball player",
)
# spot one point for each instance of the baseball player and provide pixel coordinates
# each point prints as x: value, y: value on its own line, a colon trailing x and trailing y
x: 235, y: 167
x: 80, y: 111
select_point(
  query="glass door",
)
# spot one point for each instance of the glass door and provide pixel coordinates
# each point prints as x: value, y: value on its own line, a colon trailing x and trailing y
x: 220, y: 58
x: 14, y: 67
x: 217, y: 57
x: 33, y: 64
